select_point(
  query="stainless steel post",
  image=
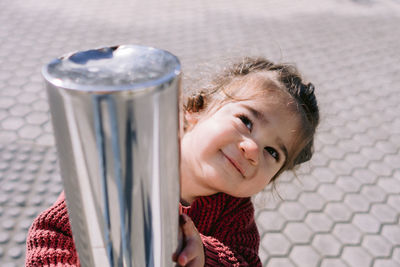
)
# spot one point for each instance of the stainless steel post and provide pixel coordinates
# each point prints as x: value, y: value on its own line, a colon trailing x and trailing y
x: 115, y: 117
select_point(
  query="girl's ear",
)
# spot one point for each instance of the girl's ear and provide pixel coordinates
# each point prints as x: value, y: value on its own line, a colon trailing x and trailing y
x: 191, y: 118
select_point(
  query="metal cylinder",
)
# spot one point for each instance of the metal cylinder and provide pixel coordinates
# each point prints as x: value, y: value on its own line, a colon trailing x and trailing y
x: 115, y: 115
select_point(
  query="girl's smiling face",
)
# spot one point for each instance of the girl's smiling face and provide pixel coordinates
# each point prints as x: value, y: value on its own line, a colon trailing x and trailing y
x: 238, y: 148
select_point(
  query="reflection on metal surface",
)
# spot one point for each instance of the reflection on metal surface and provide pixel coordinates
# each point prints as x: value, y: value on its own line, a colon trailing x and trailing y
x: 115, y: 116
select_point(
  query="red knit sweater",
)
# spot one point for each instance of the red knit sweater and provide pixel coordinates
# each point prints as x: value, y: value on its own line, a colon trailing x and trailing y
x: 226, y: 225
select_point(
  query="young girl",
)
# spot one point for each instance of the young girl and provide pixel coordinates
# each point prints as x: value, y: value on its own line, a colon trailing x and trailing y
x: 255, y: 121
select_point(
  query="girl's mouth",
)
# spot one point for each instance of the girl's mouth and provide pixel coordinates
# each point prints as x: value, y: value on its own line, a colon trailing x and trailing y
x: 234, y: 164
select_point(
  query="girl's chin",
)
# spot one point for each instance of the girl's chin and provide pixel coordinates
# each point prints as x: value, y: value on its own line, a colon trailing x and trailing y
x: 185, y: 202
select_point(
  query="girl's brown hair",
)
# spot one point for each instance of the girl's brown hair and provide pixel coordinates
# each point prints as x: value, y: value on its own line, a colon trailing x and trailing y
x: 286, y: 78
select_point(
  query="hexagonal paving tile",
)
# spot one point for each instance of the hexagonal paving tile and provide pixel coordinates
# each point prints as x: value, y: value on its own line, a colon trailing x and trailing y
x: 270, y: 220
x: 396, y: 255
x: 40, y: 105
x: 319, y: 222
x: 380, y: 168
x: 384, y: 213
x: 347, y: 233
x: 30, y: 132
x: 348, y: 184
x: 350, y: 146
x: 289, y: 191
x: 328, y: 138
x: 3, y: 114
x: 8, y: 136
x: 6, y: 102
x: 394, y: 201
x: 312, y: 201
x: 386, y: 147
x: 46, y: 140
x: 298, y: 232
x: 33, y: 87
x: 340, y: 167
x: 392, y: 233
x: 280, y: 262
x: 392, y: 160
x: 365, y: 176
x: 20, y: 110
x: 331, y: 192
x: 37, y: 118
x: 328, y: 262
x: 377, y: 245
x: 319, y: 160
x: 308, y: 183
x: 356, y: 256
x: 357, y: 160
x: 339, y: 212
x: 326, y: 244
x: 385, y: 263
x: 367, y: 223
x: 372, y: 153
x: 304, y: 256
x: 357, y: 203
x: 323, y: 175
x: 26, y: 98
x: 263, y: 255
x: 12, y: 123
x: 390, y: 185
x: 374, y: 193
x: 292, y: 210
x: 333, y: 152
x: 275, y: 244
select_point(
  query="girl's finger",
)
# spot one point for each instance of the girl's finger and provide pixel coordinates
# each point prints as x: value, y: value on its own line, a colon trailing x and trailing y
x: 190, y: 252
x: 175, y: 256
x: 197, y: 262
x: 193, y: 244
x: 188, y: 226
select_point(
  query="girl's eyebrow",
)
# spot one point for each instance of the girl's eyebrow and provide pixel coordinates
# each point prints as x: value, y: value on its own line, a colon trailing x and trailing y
x: 263, y: 119
x: 256, y: 113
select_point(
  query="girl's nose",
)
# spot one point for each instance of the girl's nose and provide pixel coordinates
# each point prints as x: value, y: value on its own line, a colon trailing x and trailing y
x: 250, y: 151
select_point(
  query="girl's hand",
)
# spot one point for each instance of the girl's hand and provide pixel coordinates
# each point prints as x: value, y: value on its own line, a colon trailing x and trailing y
x: 192, y: 254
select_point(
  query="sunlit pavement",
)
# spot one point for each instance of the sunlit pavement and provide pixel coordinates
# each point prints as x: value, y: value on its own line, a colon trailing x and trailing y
x: 341, y: 210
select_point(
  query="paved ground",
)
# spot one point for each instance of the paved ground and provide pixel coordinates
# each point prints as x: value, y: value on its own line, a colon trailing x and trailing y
x: 344, y: 207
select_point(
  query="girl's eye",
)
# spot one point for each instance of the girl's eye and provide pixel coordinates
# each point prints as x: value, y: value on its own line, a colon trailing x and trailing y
x: 246, y: 121
x: 272, y: 152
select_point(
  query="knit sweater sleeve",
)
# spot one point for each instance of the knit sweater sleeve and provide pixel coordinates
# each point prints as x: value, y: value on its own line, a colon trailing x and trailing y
x: 49, y: 241
x: 229, y: 232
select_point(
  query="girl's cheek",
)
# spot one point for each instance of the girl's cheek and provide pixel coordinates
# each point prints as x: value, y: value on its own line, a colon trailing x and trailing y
x: 239, y: 127
x: 269, y: 170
